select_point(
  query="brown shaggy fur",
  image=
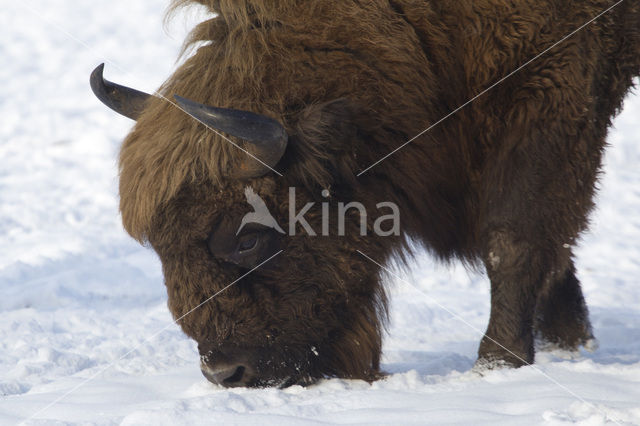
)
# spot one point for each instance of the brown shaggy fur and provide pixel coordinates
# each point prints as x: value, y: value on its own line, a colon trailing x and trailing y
x: 509, y: 180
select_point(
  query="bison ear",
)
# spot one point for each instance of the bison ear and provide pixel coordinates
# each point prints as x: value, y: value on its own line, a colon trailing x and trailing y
x: 323, y: 144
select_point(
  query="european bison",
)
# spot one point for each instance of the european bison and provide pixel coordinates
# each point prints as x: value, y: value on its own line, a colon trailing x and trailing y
x: 319, y: 91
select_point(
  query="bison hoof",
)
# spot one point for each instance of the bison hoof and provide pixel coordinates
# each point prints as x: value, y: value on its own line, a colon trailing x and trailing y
x: 591, y: 345
x: 571, y: 350
x: 486, y: 364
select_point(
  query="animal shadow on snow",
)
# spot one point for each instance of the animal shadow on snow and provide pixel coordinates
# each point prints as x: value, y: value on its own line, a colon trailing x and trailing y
x: 426, y: 363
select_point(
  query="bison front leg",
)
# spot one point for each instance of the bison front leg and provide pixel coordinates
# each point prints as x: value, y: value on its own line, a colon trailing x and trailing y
x: 562, y: 318
x: 515, y: 269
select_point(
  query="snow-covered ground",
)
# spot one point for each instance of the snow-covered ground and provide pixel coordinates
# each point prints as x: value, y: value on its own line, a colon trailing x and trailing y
x: 80, y: 300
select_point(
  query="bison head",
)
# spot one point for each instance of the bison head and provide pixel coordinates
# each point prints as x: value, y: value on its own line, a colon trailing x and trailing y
x: 267, y: 306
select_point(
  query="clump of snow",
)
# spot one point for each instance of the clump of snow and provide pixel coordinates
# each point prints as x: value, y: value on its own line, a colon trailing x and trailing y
x: 81, y: 300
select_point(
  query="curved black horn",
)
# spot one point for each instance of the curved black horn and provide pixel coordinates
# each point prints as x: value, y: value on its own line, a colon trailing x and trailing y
x: 123, y: 100
x: 267, y: 138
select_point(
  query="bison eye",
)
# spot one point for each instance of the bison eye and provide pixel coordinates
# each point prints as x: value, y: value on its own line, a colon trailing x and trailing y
x: 247, y: 242
x: 254, y: 244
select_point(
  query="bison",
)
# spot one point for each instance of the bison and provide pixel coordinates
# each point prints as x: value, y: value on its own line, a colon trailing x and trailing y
x: 316, y: 97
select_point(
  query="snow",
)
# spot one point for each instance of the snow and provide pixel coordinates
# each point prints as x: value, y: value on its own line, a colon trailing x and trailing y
x: 86, y: 336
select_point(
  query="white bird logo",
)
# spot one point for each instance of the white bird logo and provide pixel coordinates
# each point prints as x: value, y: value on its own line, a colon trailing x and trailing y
x: 260, y: 214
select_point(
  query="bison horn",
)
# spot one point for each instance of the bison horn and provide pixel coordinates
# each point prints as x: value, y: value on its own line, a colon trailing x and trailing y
x: 123, y: 100
x: 266, y: 137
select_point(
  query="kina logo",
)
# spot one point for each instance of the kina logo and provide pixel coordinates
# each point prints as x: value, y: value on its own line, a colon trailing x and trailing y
x: 260, y: 213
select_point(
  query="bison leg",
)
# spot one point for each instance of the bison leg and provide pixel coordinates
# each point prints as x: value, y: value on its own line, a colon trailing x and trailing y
x: 562, y: 318
x: 513, y: 267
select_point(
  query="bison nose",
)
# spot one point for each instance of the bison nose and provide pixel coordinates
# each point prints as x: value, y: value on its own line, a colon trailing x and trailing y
x: 227, y: 375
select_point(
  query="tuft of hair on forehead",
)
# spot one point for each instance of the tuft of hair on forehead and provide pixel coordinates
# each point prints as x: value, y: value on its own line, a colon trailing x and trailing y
x: 235, y: 17
x: 240, y: 10
x: 238, y: 13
